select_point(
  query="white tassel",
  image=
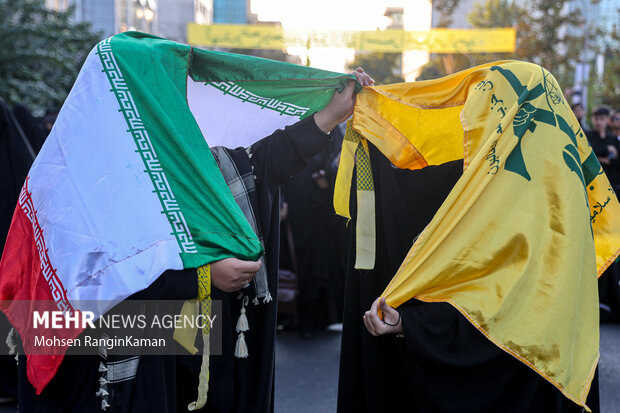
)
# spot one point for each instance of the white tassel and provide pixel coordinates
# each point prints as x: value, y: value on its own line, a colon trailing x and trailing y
x: 102, y: 368
x: 103, y: 381
x: 11, y: 342
x: 104, y: 405
x: 102, y: 393
x: 242, y: 322
x: 241, y: 348
x: 255, y: 301
x: 268, y: 298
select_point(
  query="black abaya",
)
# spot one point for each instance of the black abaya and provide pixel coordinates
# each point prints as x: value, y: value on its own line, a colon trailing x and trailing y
x: 441, y: 363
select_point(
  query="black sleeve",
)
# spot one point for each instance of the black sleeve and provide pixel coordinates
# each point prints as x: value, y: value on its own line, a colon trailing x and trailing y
x: 281, y: 155
x: 171, y: 285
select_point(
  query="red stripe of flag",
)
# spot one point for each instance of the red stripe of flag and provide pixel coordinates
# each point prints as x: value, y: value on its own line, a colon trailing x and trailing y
x: 29, y: 282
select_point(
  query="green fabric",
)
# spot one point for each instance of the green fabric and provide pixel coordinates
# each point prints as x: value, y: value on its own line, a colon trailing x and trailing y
x: 299, y: 85
x: 155, y: 71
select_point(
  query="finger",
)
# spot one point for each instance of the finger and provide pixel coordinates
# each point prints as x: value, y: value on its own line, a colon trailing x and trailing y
x: 386, y: 308
x: 349, y: 88
x: 372, y: 314
x: 368, y: 324
x: 358, y: 77
x: 377, y: 325
x: 390, y: 314
x: 362, y: 78
x: 248, y: 276
x: 249, y: 266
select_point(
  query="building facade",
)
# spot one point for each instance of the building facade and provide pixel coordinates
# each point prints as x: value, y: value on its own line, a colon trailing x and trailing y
x: 165, y: 18
x: 230, y: 11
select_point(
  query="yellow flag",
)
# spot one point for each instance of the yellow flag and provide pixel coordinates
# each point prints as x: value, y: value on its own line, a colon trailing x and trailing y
x: 517, y: 244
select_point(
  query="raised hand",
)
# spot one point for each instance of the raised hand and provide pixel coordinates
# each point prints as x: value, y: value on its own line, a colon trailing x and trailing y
x: 341, y: 106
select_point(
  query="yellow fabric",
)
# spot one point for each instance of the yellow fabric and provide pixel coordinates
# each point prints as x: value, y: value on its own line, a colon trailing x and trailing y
x: 186, y: 336
x: 518, y: 242
x: 355, y: 153
x: 344, y: 176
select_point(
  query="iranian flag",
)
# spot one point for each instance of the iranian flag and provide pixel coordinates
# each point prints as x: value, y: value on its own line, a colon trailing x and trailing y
x: 125, y: 186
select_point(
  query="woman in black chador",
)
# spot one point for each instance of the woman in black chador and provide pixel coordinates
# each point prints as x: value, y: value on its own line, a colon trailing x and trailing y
x: 432, y: 359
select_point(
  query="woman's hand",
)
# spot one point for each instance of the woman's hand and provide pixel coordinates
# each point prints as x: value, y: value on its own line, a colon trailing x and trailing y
x: 362, y: 77
x: 232, y: 274
x: 341, y: 106
x: 391, y: 323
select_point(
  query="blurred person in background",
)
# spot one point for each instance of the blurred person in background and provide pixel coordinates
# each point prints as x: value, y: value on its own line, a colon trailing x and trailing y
x: 32, y: 127
x: 319, y: 238
x: 614, y: 129
x: 614, y: 123
x: 604, y: 144
x: 579, y: 113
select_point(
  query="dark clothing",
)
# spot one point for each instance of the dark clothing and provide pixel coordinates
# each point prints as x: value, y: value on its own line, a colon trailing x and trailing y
x: 246, y: 385
x: 600, y: 147
x: 16, y: 156
x: 30, y: 126
x: 608, y: 288
x: 443, y: 363
x: 153, y: 387
x: 169, y: 384
x: 319, y: 236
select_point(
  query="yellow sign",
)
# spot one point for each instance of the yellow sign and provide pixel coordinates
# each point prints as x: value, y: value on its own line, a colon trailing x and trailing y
x: 395, y: 41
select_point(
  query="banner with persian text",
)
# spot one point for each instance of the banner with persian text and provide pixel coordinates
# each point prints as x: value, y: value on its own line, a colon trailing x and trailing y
x: 388, y: 41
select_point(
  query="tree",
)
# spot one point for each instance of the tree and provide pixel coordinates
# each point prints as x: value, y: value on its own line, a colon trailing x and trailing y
x: 445, y: 11
x: 443, y: 64
x: 549, y: 33
x: 384, y: 67
x: 41, y: 52
x: 495, y: 14
x: 607, y: 89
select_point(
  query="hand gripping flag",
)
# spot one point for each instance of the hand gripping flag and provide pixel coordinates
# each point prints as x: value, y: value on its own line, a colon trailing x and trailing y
x: 126, y: 187
x: 517, y: 244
